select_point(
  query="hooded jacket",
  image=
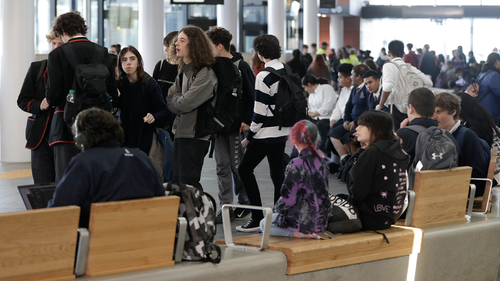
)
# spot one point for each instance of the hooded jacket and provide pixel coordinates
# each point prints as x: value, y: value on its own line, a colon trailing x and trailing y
x: 245, y: 106
x: 378, y: 186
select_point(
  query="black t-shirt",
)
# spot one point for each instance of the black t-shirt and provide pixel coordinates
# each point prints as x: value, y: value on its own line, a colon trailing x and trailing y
x: 165, y: 75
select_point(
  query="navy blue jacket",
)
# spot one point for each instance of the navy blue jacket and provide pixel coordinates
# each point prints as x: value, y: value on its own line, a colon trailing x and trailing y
x: 489, y: 81
x: 106, y: 173
x: 357, y: 104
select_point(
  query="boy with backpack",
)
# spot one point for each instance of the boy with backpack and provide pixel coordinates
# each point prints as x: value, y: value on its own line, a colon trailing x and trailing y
x: 399, y: 80
x: 65, y: 88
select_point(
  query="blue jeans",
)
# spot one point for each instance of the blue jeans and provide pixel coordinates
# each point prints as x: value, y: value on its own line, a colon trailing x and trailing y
x: 275, y: 230
x: 167, y: 144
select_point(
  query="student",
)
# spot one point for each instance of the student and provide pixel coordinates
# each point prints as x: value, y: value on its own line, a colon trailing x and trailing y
x: 470, y: 148
x: 372, y: 83
x: 393, y: 97
x: 72, y: 29
x: 193, y: 52
x: 296, y: 64
x: 306, y: 57
x: 265, y: 138
x: 321, y: 103
x: 32, y: 100
x: 104, y: 171
x: 228, y: 149
x: 165, y: 70
x: 115, y: 49
x: 421, y: 106
x: 303, y: 206
x: 142, y: 107
x: 378, y: 176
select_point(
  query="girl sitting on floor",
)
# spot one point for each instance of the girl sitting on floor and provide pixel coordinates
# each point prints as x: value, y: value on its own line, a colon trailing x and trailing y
x: 304, y: 205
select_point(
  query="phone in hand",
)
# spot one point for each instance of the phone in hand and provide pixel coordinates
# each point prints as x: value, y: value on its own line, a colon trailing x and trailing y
x: 474, y: 84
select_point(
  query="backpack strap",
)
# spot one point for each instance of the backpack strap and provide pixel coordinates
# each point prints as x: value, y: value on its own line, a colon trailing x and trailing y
x: 487, y: 93
x: 41, y: 71
x: 416, y: 128
x: 98, y: 54
x: 161, y: 65
x: 70, y: 52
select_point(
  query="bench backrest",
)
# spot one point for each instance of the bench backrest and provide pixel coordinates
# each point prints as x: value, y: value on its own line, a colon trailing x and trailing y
x: 39, y: 244
x: 481, y: 203
x: 441, y: 196
x: 131, y: 235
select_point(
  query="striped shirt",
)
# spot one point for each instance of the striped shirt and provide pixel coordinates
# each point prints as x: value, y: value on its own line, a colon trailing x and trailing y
x: 263, y: 127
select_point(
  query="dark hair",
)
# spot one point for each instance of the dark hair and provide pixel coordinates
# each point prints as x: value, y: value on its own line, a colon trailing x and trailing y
x: 319, y: 64
x: 314, y: 45
x: 268, y: 46
x: 490, y: 62
x: 70, y: 23
x: 477, y: 117
x: 396, y: 48
x: 169, y: 39
x: 232, y: 48
x: 305, y: 46
x: 458, y: 69
x: 98, y: 126
x: 371, y: 73
x: 309, y: 79
x: 449, y: 102
x: 360, y: 69
x: 220, y: 35
x: 305, y: 132
x: 296, y: 54
x: 371, y: 64
x: 345, y: 69
x: 409, y: 46
x: 140, y: 63
x: 200, y: 48
x: 118, y: 47
x: 380, y: 124
x: 424, y: 102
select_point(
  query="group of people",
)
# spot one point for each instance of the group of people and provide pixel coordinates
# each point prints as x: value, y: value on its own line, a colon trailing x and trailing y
x: 116, y: 160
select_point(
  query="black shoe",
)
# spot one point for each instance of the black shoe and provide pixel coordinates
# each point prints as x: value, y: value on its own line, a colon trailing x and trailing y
x: 333, y: 167
x: 240, y: 213
x: 251, y: 226
x: 218, y: 217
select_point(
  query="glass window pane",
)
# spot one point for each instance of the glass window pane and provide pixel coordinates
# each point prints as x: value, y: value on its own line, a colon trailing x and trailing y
x: 121, y: 23
x: 202, y: 11
x: 63, y: 6
x: 42, y: 27
x: 174, y: 17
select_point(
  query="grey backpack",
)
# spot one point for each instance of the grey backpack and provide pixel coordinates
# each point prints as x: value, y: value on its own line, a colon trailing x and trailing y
x: 434, y: 149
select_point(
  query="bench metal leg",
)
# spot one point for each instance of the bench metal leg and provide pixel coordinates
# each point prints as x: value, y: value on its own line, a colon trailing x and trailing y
x: 472, y: 194
x: 82, y: 251
x: 181, y: 238
x: 411, y: 206
x: 228, y: 235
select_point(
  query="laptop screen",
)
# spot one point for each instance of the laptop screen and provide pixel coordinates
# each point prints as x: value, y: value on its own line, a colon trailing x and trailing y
x: 37, y: 196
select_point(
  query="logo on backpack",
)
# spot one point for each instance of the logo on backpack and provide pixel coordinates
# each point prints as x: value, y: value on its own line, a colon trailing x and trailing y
x: 89, y: 85
x: 434, y: 156
x: 291, y: 104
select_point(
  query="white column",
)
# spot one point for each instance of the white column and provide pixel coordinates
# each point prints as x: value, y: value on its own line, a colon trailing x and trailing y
x: 336, y: 32
x: 311, y: 22
x: 227, y: 17
x: 17, y: 52
x: 276, y: 21
x: 151, y: 32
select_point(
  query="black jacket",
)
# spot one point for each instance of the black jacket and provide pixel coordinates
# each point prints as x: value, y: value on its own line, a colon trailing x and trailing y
x: 29, y: 100
x: 106, y: 173
x: 297, y: 66
x: 378, y: 184
x: 245, y: 107
x: 60, y: 80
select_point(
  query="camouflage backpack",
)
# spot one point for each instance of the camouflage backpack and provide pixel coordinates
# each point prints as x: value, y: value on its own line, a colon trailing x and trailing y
x: 198, y: 208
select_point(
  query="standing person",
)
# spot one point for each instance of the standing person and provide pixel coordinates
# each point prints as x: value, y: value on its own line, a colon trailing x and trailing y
x: 115, y: 49
x: 32, y: 100
x: 228, y: 149
x: 142, y: 107
x: 428, y: 63
x: 72, y: 29
x: 378, y: 176
x: 296, y: 64
x: 314, y: 49
x: 319, y: 68
x: 304, y: 205
x: 411, y: 57
x: 394, y: 98
x: 488, y: 87
x: 257, y: 64
x: 165, y: 70
x: 306, y: 57
x: 265, y: 138
x: 194, y: 85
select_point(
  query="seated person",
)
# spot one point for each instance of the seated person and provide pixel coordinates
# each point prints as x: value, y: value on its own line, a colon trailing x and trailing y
x: 421, y: 106
x: 372, y: 83
x: 104, y: 171
x: 470, y: 148
x: 304, y: 205
x: 355, y: 106
x: 378, y: 176
x: 322, y: 99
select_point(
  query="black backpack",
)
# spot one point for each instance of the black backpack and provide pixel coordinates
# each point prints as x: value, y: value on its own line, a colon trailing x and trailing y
x: 89, y: 84
x: 198, y: 208
x: 291, y: 104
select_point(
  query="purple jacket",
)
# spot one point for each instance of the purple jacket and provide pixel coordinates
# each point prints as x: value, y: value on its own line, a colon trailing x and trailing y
x: 304, y: 204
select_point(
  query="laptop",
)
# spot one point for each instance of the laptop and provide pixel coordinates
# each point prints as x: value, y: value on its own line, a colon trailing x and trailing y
x: 37, y: 196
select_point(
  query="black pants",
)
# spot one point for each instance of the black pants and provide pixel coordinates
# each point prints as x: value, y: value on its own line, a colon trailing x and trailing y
x: 42, y: 163
x: 187, y: 160
x: 63, y: 152
x: 323, y: 129
x: 254, y: 154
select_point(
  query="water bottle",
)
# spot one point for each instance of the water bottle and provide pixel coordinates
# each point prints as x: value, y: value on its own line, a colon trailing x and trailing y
x: 71, y: 96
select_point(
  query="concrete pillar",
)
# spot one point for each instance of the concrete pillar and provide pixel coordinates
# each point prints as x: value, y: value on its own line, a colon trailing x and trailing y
x: 276, y: 21
x: 17, y: 52
x: 336, y: 32
x: 311, y: 23
x: 151, y: 22
x: 227, y: 17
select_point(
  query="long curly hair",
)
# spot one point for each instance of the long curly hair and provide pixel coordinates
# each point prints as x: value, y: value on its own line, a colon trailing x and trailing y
x: 200, y: 48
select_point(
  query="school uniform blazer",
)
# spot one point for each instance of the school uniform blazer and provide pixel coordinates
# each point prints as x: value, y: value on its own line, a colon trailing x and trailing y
x: 29, y: 100
x: 60, y: 80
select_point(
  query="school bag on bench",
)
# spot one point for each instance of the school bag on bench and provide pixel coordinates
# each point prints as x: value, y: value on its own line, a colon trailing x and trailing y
x: 198, y: 208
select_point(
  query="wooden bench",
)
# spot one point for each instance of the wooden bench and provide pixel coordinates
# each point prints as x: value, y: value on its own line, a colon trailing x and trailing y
x: 439, y: 196
x: 482, y: 204
x: 131, y: 235
x: 38, y: 244
x: 305, y: 255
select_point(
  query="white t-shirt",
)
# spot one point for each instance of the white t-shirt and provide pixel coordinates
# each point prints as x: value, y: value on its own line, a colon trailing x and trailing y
x: 323, y: 101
